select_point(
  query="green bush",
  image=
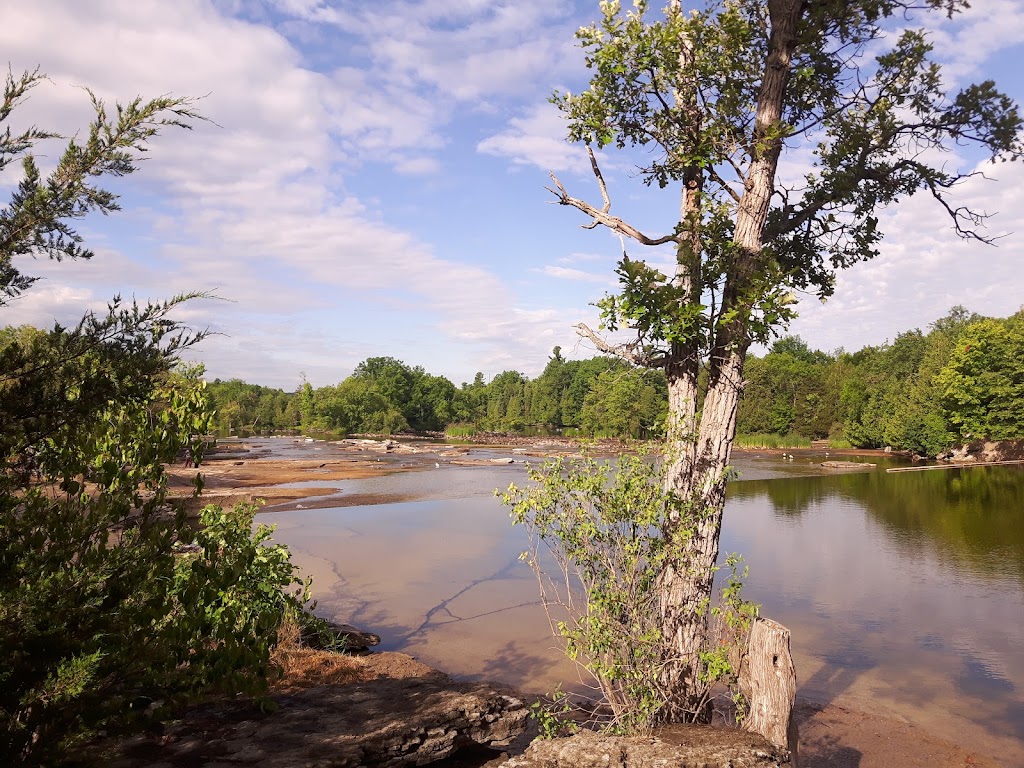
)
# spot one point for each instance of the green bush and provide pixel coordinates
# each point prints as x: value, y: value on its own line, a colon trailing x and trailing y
x: 598, y: 553
x: 105, y: 621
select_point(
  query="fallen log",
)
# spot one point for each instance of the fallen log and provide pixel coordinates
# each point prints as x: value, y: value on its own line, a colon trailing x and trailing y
x: 956, y: 465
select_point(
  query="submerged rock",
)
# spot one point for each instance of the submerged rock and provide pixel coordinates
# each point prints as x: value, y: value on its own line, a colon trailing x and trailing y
x: 351, y: 638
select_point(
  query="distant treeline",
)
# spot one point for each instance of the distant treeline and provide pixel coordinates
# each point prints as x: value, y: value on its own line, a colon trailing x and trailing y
x: 602, y: 396
x: 962, y: 380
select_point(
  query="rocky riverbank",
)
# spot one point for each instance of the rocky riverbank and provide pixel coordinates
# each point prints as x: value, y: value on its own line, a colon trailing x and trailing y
x: 985, y: 451
x: 387, y: 709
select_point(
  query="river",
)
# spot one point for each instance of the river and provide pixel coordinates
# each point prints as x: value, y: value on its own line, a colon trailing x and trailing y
x: 904, y: 591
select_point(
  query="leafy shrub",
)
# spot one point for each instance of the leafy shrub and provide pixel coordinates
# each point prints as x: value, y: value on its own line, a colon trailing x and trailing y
x: 598, y: 553
x: 104, y: 624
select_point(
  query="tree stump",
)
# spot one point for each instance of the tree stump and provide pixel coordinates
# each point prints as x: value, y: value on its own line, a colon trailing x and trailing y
x: 768, y: 680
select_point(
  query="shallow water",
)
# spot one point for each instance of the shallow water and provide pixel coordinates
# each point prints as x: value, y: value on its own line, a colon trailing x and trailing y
x: 904, y: 592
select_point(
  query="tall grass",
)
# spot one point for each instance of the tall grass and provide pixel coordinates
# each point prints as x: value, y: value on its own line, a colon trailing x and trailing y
x: 461, y: 429
x: 772, y: 441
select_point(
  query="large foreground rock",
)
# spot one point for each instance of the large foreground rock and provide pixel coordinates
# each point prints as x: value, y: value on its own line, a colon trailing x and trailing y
x: 683, y: 747
x: 384, y: 722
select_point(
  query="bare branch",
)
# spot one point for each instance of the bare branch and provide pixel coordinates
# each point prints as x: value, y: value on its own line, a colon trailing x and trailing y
x: 964, y: 219
x: 723, y: 184
x: 604, y: 189
x: 613, y: 223
x: 631, y: 352
x: 737, y: 168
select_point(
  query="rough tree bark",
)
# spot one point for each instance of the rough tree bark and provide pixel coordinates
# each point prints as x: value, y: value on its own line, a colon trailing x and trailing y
x: 696, y: 465
x: 768, y: 681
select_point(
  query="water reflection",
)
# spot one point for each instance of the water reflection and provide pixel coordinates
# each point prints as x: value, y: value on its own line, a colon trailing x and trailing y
x: 974, y: 515
x: 900, y: 588
x: 905, y: 592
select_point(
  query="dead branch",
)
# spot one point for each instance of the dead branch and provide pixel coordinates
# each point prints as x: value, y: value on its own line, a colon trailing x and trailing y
x: 631, y: 352
x: 604, y: 189
x: 603, y: 216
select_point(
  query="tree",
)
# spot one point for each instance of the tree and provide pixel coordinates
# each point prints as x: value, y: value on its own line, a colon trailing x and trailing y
x: 624, y: 404
x: 783, y: 392
x: 505, y: 397
x: 714, y: 100
x: 549, y: 387
x: 36, y: 222
x: 982, y: 385
x: 581, y: 376
x: 432, y: 405
x: 393, y: 378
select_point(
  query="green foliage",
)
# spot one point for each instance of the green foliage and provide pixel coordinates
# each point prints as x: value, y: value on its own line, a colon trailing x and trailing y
x: 230, y: 596
x: 460, y: 429
x: 625, y: 403
x: 921, y: 393
x: 878, y: 396
x: 553, y: 716
x: 251, y: 408
x: 384, y: 395
x: 104, y: 622
x: 786, y: 392
x: 982, y: 384
x: 597, y: 552
x: 86, y: 549
x: 36, y: 222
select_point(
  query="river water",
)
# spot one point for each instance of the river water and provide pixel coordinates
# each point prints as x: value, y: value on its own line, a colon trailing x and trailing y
x: 904, y: 591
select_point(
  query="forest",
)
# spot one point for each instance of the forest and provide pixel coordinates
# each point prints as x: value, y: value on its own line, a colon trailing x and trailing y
x: 922, y: 392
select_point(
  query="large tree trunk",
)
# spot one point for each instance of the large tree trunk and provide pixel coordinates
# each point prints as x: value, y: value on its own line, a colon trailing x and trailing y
x: 686, y: 581
x: 696, y: 464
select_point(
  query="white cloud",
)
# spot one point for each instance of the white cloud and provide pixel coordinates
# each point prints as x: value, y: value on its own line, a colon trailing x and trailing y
x: 537, y: 138
x: 255, y: 206
x: 565, y: 273
x: 976, y: 34
x: 924, y: 269
x: 418, y: 166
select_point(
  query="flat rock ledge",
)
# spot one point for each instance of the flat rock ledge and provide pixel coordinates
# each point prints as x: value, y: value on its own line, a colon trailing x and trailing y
x: 682, y: 747
x: 384, y: 722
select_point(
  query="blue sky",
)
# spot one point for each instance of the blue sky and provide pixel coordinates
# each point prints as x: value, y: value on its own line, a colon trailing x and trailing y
x: 373, y: 184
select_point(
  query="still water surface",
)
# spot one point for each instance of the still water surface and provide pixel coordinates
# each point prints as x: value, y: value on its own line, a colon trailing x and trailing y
x: 904, y: 591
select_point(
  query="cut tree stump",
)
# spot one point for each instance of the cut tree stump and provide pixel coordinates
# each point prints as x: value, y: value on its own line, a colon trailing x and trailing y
x: 768, y: 680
